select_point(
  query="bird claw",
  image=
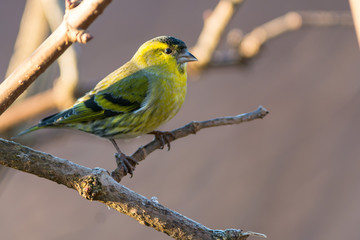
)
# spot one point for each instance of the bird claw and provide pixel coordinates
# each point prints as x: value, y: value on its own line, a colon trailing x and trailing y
x: 164, y: 138
x: 128, y: 163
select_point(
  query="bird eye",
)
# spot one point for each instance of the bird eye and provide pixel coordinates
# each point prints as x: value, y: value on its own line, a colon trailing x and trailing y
x: 168, y: 51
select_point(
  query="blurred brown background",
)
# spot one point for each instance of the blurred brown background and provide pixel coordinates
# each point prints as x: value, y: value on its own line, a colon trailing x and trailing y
x: 293, y: 175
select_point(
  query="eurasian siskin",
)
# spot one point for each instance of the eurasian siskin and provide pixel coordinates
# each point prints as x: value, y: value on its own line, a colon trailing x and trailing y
x: 135, y: 99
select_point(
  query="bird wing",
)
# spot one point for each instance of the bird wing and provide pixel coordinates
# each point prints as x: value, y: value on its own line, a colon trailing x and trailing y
x: 119, y: 97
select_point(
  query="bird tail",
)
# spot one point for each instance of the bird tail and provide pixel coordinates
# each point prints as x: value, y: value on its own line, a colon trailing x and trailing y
x: 33, y: 128
x: 46, y: 122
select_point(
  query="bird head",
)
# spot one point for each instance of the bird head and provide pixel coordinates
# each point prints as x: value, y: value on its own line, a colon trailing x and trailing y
x: 166, y: 51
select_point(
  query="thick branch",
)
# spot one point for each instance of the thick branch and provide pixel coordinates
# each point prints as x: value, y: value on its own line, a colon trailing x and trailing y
x: 78, y: 18
x: 98, y: 185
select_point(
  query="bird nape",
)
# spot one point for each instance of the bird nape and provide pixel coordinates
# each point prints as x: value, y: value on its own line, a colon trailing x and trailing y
x: 135, y: 99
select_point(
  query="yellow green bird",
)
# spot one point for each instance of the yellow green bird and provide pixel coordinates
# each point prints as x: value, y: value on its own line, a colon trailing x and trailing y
x: 135, y: 99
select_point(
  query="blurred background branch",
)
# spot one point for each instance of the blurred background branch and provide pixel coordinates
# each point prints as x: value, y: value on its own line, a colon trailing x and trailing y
x: 250, y: 45
x: 355, y: 9
x: 243, y: 47
x: 215, y: 22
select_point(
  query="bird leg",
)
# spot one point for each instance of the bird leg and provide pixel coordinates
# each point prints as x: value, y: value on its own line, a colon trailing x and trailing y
x: 163, y: 137
x: 127, y: 163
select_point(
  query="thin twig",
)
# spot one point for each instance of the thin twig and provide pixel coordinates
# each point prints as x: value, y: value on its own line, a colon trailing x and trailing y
x: 190, y: 128
x: 195, y: 126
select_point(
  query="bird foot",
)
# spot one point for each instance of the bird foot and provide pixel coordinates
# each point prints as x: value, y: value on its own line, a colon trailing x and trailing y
x: 125, y: 163
x: 164, y: 137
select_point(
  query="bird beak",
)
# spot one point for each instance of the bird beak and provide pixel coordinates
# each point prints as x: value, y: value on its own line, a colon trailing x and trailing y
x: 185, y: 56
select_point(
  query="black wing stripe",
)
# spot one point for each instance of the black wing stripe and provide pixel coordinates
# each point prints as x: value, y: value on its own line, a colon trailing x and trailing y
x: 90, y: 103
x: 121, y: 101
x: 109, y: 113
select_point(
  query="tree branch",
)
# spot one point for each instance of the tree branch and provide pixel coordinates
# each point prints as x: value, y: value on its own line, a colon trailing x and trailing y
x: 190, y: 128
x: 98, y: 185
x: 194, y: 126
x: 291, y: 21
x: 78, y: 18
x: 249, y: 45
x: 355, y: 10
x: 214, y: 26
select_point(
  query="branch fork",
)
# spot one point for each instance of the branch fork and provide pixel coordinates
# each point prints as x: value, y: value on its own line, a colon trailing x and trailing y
x: 74, y: 34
